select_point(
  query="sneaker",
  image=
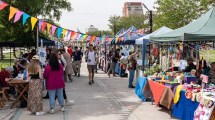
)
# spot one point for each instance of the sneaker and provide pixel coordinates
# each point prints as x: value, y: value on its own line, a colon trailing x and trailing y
x: 69, y: 103
x: 131, y: 86
x: 51, y: 111
x: 75, y: 74
x: 46, y: 97
x: 92, y: 81
x: 62, y: 109
x: 40, y: 113
x: 78, y: 75
x: 71, y: 80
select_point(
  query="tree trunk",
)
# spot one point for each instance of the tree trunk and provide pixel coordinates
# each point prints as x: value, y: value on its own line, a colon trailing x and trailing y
x: 1, y: 53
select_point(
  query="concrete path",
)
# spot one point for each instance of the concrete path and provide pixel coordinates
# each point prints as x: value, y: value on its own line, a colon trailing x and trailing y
x: 107, y: 99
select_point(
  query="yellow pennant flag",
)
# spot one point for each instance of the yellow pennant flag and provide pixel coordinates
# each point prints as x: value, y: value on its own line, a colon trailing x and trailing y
x: 116, y: 40
x: 84, y: 37
x: 48, y: 27
x: 33, y: 22
x: 12, y: 12
x: 64, y: 32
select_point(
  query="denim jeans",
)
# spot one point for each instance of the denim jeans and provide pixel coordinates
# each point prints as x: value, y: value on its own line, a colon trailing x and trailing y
x: 131, y: 77
x: 59, y: 94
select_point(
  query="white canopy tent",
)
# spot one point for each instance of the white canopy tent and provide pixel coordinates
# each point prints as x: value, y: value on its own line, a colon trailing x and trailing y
x: 160, y: 31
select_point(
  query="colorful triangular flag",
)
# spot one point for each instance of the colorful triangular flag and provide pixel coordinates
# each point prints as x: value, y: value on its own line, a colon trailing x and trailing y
x: 24, y: 18
x: 17, y: 16
x: 3, y: 5
x: 33, y: 22
x: 13, y: 11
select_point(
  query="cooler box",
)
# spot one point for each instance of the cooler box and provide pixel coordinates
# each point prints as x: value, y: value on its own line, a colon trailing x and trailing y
x: 189, y: 79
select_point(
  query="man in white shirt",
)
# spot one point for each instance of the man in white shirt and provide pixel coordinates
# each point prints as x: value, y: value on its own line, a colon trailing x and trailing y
x: 92, y: 59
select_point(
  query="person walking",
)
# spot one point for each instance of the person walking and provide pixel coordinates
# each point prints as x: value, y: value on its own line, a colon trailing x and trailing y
x: 114, y: 57
x: 131, y: 68
x: 68, y: 69
x: 77, y: 57
x: 54, y: 82
x: 91, y: 62
x: 35, y: 95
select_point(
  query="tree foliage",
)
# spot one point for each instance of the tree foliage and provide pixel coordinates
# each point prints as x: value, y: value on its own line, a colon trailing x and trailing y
x: 100, y: 33
x: 116, y: 23
x: 49, y: 10
x: 177, y: 13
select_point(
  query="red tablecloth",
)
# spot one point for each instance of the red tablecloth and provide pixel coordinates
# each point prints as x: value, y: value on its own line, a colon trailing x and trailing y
x: 157, y: 91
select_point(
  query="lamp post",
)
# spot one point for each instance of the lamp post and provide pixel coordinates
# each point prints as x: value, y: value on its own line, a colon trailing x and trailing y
x: 150, y: 17
x: 151, y: 30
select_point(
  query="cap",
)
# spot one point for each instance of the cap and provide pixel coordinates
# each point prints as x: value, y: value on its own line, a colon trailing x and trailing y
x: 35, y: 57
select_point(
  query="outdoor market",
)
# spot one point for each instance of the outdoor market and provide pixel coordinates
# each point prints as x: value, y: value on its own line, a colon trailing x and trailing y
x: 172, y: 69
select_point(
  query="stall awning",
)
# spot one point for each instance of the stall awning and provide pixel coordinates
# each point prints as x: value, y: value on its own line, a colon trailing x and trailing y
x: 160, y: 31
x: 202, y: 28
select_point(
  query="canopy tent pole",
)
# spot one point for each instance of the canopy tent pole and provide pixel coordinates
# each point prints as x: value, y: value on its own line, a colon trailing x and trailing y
x: 10, y: 56
x: 37, y: 37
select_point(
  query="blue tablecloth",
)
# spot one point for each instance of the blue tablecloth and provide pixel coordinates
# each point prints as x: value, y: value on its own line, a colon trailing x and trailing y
x: 185, y: 108
x: 141, y: 82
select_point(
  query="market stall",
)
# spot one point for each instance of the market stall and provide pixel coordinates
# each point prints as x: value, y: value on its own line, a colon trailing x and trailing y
x: 186, y: 85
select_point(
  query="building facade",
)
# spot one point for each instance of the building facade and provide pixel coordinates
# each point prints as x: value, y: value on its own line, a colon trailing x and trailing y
x: 91, y: 29
x: 132, y: 8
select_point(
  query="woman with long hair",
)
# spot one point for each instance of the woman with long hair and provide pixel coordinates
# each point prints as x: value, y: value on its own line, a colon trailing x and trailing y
x: 35, y: 95
x: 54, y: 82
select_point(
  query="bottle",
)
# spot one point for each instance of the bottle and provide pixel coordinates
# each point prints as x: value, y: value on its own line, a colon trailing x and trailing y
x: 24, y: 75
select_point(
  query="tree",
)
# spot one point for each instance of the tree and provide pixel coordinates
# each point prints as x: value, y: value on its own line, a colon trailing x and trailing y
x: 47, y: 9
x: 177, y: 13
x: 100, y: 33
x: 116, y: 23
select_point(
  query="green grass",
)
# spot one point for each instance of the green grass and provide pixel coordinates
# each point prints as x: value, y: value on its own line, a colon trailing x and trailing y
x: 211, y: 55
x: 6, y: 61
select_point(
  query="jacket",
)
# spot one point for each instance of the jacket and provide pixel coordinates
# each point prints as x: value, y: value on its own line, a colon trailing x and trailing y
x: 54, y: 79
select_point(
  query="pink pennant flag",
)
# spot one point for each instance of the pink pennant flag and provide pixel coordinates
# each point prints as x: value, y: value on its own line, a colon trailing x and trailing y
x: 53, y: 29
x: 18, y: 15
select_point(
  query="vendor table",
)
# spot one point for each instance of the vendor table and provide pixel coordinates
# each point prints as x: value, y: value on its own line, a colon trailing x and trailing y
x: 21, y: 87
x: 185, y: 108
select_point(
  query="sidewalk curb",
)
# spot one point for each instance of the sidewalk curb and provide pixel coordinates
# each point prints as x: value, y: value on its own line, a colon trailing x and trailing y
x: 17, y: 114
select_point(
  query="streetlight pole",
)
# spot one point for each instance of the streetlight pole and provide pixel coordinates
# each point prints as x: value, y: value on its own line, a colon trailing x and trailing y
x: 151, y: 30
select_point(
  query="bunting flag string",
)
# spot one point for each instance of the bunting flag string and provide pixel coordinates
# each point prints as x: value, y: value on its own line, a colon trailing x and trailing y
x: 62, y: 32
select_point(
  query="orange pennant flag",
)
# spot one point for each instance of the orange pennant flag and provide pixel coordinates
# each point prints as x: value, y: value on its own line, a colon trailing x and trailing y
x: 12, y: 12
x: 33, y: 22
x: 48, y: 27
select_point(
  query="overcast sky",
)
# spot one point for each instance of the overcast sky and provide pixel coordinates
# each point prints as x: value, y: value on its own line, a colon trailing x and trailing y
x: 94, y: 12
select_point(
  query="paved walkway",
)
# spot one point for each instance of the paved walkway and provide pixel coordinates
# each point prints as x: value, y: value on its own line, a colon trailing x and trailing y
x: 107, y: 99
